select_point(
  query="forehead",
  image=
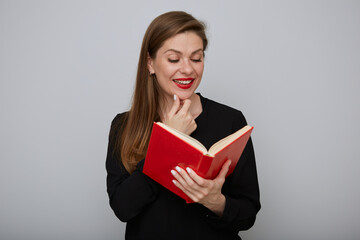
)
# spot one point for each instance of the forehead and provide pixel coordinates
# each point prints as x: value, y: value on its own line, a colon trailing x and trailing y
x: 183, y: 42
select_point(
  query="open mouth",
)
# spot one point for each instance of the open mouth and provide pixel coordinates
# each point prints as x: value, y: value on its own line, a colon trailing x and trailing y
x: 184, y: 83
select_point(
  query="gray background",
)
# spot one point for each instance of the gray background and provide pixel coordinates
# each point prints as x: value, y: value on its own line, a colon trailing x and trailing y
x: 67, y: 67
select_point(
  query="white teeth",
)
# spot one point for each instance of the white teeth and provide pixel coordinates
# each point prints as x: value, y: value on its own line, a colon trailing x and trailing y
x: 183, y: 82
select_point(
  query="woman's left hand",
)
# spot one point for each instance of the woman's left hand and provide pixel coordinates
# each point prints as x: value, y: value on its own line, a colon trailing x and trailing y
x: 201, y: 190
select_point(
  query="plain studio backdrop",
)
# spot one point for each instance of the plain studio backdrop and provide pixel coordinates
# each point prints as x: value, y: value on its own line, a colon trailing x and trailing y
x: 68, y: 67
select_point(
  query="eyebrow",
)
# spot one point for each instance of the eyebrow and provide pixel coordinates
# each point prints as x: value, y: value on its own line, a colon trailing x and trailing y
x: 177, y: 51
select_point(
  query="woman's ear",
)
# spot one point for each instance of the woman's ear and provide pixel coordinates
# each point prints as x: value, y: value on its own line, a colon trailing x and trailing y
x: 150, y: 64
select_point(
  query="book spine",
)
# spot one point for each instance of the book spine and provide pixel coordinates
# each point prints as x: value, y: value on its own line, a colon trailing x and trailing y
x: 204, y: 166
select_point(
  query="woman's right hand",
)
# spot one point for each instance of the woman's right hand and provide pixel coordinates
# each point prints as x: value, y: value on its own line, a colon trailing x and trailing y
x: 179, y: 116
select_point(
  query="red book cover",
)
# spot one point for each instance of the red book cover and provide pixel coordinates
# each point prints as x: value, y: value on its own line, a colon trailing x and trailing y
x: 169, y: 148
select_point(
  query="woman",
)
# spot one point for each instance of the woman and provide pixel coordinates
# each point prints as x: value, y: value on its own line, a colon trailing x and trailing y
x: 170, y: 69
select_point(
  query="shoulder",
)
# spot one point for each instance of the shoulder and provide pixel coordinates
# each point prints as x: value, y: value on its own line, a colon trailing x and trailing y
x: 120, y: 118
x: 216, y: 110
x: 224, y: 109
x: 117, y: 125
x: 119, y: 121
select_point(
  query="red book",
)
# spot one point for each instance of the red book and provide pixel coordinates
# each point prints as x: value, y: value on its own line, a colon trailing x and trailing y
x: 169, y: 148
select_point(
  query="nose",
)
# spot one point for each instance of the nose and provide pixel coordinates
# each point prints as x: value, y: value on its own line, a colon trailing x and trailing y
x: 186, y: 67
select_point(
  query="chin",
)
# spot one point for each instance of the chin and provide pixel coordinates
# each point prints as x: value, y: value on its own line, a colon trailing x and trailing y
x: 183, y: 96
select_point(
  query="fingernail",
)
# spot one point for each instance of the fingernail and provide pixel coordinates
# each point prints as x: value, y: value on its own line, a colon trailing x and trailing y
x: 188, y: 170
x: 174, y: 182
x: 173, y: 172
x: 174, y: 97
x: 178, y: 169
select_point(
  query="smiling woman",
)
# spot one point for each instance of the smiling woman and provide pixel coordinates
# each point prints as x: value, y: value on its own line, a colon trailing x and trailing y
x: 170, y: 69
x: 178, y: 65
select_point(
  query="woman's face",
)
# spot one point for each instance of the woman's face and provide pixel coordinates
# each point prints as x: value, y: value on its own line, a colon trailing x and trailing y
x: 179, y: 65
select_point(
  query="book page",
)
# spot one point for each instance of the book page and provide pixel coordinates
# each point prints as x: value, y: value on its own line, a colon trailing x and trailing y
x: 216, y: 147
x: 190, y: 140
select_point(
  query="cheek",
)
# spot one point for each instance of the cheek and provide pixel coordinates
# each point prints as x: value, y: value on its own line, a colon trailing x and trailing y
x: 199, y: 69
x: 167, y: 70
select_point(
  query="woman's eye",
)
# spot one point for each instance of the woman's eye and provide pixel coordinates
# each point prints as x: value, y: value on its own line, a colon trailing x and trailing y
x: 173, y: 60
x: 196, y: 60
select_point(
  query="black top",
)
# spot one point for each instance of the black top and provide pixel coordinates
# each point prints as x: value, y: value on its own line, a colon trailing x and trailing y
x: 153, y: 212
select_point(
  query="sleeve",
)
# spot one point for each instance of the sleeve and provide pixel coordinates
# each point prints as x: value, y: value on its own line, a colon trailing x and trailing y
x: 241, y: 190
x: 128, y: 193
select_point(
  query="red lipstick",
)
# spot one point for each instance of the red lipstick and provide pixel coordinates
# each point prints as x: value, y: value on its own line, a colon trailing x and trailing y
x: 184, y: 83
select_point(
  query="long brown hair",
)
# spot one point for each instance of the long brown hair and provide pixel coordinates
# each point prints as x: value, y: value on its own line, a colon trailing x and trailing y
x: 132, y: 141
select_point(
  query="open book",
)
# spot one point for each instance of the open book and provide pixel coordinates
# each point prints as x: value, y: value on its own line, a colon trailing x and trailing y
x: 169, y: 148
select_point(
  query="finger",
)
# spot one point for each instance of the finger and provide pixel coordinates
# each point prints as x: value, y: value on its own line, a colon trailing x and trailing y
x: 188, y: 182
x: 224, y: 169
x: 181, y: 183
x: 185, y: 108
x: 178, y: 177
x: 199, y: 180
x: 189, y: 186
x: 175, y: 106
x: 182, y: 188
